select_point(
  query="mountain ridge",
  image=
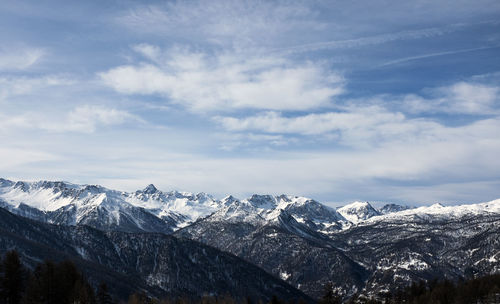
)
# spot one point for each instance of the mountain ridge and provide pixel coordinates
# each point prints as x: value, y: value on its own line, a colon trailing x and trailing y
x: 356, y: 247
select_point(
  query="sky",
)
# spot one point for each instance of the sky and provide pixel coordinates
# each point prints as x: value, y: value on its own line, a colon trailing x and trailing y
x: 385, y: 101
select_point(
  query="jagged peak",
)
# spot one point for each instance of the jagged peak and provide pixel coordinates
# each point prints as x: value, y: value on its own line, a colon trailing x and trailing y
x: 21, y: 185
x: 356, y: 205
x: 262, y: 201
x: 391, y: 208
x: 94, y: 188
x: 229, y: 200
x: 5, y: 182
x: 358, y: 211
x: 150, y: 189
x: 294, y: 200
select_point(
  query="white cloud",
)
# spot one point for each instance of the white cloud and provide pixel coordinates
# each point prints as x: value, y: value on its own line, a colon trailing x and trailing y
x: 465, y: 155
x: 22, y: 85
x: 408, y: 168
x: 461, y: 97
x: 361, y: 127
x: 273, y: 122
x: 86, y: 118
x: 257, y: 142
x: 202, y: 82
x: 152, y: 52
x: 19, y: 59
x: 368, y: 123
x: 82, y: 119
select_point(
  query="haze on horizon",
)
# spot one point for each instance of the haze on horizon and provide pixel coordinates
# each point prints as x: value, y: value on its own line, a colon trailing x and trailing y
x: 338, y: 101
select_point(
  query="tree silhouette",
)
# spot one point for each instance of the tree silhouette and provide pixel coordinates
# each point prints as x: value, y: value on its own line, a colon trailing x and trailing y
x: 329, y: 296
x: 58, y: 284
x: 13, y: 279
x: 103, y: 296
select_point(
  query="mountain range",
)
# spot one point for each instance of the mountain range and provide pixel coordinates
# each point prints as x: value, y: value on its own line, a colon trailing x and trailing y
x: 293, y: 243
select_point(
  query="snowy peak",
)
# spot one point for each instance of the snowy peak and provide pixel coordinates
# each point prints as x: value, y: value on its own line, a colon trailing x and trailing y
x: 358, y: 211
x: 391, y: 208
x: 66, y: 203
x: 266, y: 209
x: 150, y: 189
x: 262, y: 201
x: 23, y: 186
x: 228, y: 200
x: 40, y: 195
x: 5, y: 182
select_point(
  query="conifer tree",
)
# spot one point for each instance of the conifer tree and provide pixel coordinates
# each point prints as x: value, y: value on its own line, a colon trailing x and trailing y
x: 103, y: 296
x: 13, y: 280
x: 329, y: 296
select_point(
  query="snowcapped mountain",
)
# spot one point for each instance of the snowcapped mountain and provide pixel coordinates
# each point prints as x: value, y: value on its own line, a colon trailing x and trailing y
x: 439, y: 212
x: 283, y: 236
x: 70, y: 204
x: 183, y: 207
x: 265, y: 209
x: 157, y: 211
x: 153, y: 210
x: 358, y: 211
x: 379, y: 253
x: 297, y: 239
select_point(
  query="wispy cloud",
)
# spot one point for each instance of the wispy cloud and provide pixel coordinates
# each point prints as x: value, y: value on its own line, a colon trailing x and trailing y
x: 226, y: 81
x: 19, y: 59
x: 437, y: 54
x: 376, y: 39
x: 82, y: 119
x: 21, y: 85
x: 17, y: 156
x: 222, y: 22
x: 444, y: 155
x: 273, y: 122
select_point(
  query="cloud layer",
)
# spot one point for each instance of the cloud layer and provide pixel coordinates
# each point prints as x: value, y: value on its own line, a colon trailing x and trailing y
x: 82, y: 119
x: 198, y: 81
x: 337, y: 100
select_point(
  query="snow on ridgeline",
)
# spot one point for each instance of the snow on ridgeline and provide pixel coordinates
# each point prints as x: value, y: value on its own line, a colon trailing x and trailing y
x: 261, y: 209
x: 72, y: 204
x: 153, y: 210
x: 363, y: 212
x: 438, y: 211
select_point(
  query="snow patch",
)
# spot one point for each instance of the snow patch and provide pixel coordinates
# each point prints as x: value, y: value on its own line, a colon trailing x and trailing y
x: 284, y: 275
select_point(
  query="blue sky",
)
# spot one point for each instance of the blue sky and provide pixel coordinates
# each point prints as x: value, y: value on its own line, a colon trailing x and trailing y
x: 336, y: 100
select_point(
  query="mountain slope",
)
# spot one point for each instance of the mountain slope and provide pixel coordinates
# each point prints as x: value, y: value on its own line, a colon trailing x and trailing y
x: 397, y: 252
x: 359, y: 249
x: 380, y: 253
x: 282, y: 246
x: 156, y: 263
